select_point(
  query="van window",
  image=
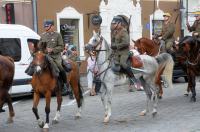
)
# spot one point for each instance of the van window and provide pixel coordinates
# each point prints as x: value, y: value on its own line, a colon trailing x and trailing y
x: 11, y: 47
x: 32, y: 45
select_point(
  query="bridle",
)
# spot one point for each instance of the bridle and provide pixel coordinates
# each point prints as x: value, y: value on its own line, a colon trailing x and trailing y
x: 43, y: 65
x: 98, y: 48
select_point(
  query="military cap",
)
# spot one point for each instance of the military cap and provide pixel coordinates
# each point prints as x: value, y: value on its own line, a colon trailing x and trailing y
x: 120, y: 18
x: 96, y: 20
x: 48, y: 23
x: 197, y: 13
x: 167, y: 14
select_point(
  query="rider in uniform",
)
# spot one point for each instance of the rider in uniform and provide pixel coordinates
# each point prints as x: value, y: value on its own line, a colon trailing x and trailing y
x: 167, y: 34
x: 195, y: 28
x: 120, y: 42
x: 53, y: 42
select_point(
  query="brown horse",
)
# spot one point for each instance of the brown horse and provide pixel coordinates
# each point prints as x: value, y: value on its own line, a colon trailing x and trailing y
x: 44, y: 82
x: 190, y: 49
x: 147, y: 46
x: 7, y: 70
x: 152, y: 48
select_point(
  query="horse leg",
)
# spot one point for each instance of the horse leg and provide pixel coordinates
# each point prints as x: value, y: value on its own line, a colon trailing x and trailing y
x: 11, y: 110
x: 36, y: 98
x: 2, y: 101
x: 148, y: 94
x: 104, y: 100
x: 59, y: 102
x: 47, y: 108
x: 155, y: 100
x: 159, y: 83
x: 193, y: 90
x: 109, y: 104
x: 76, y: 88
x: 160, y: 93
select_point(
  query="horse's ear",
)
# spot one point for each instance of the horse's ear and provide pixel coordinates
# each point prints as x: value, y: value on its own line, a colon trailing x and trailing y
x: 133, y: 41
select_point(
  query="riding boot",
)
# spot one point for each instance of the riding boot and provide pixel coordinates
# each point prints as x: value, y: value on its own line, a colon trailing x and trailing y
x: 131, y: 76
x: 30, y: 70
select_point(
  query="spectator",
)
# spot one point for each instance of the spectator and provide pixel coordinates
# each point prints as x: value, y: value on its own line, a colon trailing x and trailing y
x: 92, y: 69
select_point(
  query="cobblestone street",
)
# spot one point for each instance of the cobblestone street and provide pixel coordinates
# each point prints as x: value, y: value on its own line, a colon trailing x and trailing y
x: 175, y: 113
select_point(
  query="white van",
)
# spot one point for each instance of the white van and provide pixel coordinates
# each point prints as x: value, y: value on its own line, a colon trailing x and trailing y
x: 14, y: 41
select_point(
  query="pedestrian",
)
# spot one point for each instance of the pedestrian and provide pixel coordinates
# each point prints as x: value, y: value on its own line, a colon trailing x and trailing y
x: 92, y: 69
x: 195, y: 28
x: 167, y: 34
x: 51, y: 43
x: 120, y: 42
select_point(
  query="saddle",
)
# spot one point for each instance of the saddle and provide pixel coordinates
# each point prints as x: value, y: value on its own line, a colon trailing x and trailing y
x: 67, y: 65
x: 136, y: 62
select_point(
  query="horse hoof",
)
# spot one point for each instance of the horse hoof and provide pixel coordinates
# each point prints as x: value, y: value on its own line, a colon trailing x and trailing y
x: 154, y: 114
x: 193, y: 99
x: 186, y: 94
x: 78, y: 116
x: 45, y: 129
x: 40, y: 123
x: 2, y: 110
x: 46, y: 126
x: 106, y: 119
x: 10, y: 120
x: 159, y: 96
x: 142, y: 113
x: 55, y: 121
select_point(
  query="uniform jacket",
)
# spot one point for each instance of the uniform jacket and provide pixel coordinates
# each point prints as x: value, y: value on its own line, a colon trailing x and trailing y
x: 168, y: 32
x: 121, y: 39
x: 53, y: 40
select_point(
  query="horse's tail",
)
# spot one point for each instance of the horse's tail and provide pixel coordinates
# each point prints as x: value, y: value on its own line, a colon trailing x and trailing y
x: 166, y: 65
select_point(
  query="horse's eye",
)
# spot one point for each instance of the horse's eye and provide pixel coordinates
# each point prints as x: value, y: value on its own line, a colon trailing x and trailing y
x: 95, y: 40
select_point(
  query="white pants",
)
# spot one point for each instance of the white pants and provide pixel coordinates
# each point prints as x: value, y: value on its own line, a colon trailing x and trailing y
x: 90, y: 76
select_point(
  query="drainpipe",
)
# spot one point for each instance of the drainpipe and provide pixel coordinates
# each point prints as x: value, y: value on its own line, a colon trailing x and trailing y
x: 35, y: 24
x: 182, y: 17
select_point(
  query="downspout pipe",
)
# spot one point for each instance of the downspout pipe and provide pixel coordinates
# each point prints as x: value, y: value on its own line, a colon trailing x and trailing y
x: 35, y: 19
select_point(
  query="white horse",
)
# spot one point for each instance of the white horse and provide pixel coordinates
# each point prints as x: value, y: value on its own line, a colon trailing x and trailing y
x: 148, y: 74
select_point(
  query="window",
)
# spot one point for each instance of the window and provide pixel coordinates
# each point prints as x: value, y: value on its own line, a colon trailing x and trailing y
x: 11, y: 47
x: 157, y: 26
x: 70, y: 31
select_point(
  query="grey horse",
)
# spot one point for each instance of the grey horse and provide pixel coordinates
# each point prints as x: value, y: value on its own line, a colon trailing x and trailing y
x: 148, y: 74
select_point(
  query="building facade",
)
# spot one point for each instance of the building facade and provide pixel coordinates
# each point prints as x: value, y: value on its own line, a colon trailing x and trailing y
x: 16, y: 12
x: 72, y: 18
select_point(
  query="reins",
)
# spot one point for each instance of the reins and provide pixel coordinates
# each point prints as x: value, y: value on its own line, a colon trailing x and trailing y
x: 97, y: 56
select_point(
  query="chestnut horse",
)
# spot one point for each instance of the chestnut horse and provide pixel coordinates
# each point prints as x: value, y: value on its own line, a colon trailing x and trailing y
x: 190, y: 48
x: 152, y: 48
x: 7, y: 70
x: 44, y: 82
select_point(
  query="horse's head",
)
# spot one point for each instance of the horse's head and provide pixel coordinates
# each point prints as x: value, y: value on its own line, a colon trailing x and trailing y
x: 40, y: 61
x: 94, y: 43
x: 188, y: 44
x: 138, y: 46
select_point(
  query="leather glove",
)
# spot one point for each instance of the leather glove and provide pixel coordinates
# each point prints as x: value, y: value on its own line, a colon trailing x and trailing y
x: 113, y: 47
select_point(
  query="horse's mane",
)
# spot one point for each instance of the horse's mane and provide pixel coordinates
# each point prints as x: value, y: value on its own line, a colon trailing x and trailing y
x: 145, y: 40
